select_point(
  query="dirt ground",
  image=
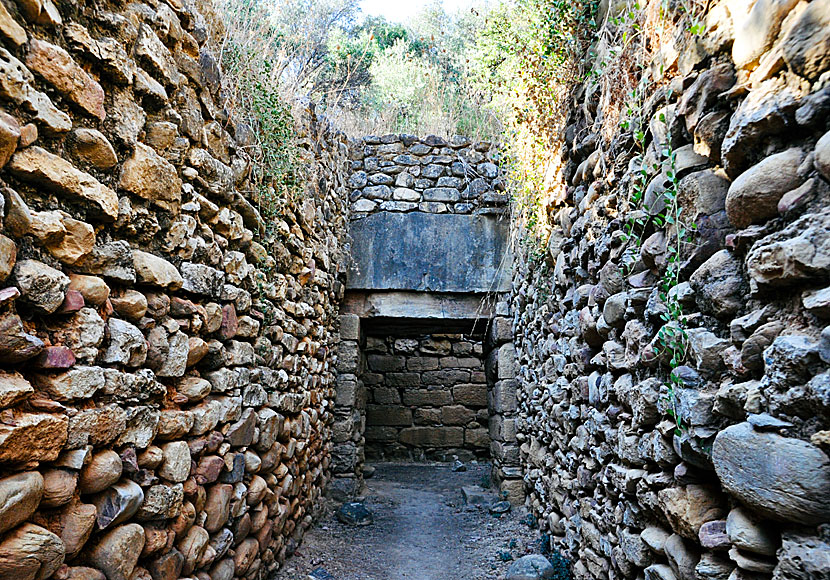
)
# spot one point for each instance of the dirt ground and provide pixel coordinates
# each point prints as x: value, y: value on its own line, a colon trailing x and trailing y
x: 422, y: 530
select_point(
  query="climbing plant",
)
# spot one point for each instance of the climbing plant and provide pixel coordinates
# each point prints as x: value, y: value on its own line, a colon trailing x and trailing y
x: 671, y: 337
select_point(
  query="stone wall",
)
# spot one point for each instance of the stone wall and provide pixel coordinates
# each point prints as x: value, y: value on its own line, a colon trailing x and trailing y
x: 426, y: 398
x: 167, y: 385
x: 738, y: 485
x: 402, y: 173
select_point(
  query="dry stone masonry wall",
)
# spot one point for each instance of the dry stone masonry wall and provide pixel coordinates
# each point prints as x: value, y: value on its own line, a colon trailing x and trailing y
x: 167, y: 385
x: 738, y: 486
x: 426, y: 398
x: 402, y: 173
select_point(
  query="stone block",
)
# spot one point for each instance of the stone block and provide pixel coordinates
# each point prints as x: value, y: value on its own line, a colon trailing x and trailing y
x: 386, y: 396
x: 422, y: 364
x: 513, y: 490
x: 381, y: 434
x: 502, y: 396
x: 349, y: 327
x: 478, y: 437
x: 403, y: 379
x: 502, y: 429
x: 427, y: 416
x: 504, y: 453
x: 446, y: 377
x: 388, y: 415
x: 500, y: 330
x: 386, y: 363
x: 470, y: 394
x: 427, y: 397
x: 456, y: 415
x: 508, y: 365
x: 433, y: 436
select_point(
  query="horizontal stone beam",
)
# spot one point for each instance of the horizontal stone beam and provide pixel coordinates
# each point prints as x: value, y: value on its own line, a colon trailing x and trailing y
x: 418, y: 305
x: 430, y: 253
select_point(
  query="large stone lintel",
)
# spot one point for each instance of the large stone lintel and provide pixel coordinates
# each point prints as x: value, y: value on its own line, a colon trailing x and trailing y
x: 424, y: 252
x: 417, y: 305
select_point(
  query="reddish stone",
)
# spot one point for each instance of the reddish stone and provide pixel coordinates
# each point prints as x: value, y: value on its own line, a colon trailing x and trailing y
x: 182, y: 307
x: 55, y: 357
x: 16, y: 345
x: 230, y: 323
x: 9, y: 294
x: 73, y: 302
x: 28, y: 134
x: 208, y: 469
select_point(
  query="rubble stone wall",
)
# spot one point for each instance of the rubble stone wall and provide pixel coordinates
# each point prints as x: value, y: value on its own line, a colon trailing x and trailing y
x: 426, y: 398
x: 167, y: 352
x: 403, y: 173
x: 738, y: 486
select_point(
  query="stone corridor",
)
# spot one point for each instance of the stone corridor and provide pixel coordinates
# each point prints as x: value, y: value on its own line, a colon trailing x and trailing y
x: 194, y: 367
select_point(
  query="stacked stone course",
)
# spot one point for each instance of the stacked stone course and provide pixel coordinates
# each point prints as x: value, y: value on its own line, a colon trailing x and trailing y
x: 742, y: 489
x: 166, y: 356
x: 426, y: 398
x: 402, y: 173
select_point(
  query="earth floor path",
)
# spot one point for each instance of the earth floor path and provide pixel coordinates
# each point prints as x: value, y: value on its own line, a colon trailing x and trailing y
x: 422, y: 530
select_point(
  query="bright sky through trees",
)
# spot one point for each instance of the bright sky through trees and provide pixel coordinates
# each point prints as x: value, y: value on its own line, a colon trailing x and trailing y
x: 402, y: 11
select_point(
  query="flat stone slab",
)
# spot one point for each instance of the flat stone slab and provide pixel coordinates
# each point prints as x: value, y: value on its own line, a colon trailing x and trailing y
x: 430, y: 253
x: 475, y: 495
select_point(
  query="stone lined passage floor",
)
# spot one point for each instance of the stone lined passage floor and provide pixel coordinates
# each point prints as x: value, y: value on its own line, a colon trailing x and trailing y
x: 422, y: 531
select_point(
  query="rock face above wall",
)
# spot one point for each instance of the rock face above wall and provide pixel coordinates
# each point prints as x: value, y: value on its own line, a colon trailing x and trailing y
x: 723, y: 472
x: 166, y: 361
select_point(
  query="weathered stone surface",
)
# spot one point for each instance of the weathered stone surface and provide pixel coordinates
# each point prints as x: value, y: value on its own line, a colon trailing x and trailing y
x: 176, y: 464
x: 40, y: 285
x: 30, y: 552
x: 132, y: 305
x: 112, y: 260
x: 150, y: 176
x: 117, y: 503
x: 753, y: 197
x: 806, y: 47
x: 202, y: 279
x: 799, y: 251
x: 718, y: 284
x: 193, y: 546
x: 73, y: 524
x: 54, y: 173
x: 155, y: 271
x: 9, y: 136
x: 58, y: 487
x: 94, y: 290
x: 61, y: 71
x: 16, y: 345
x: 10, y: 29
x: 765, y: 112
x: 749, y: 533
x: 531, y: 567
x: 756, y: 33
x: 102, y: 471
x: 782, y: 478
x: 20, y: 495
x: 802, y: 557
x: 93, y: 147
x: 116, y: 554
x: 81, y: 382
x: 13, y: 389
x: 17, y: 85
x: 161, y: 502
x: 126, y: 344
x: 32, y: 437
x: 384, y: 242
x: 687, y: 508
